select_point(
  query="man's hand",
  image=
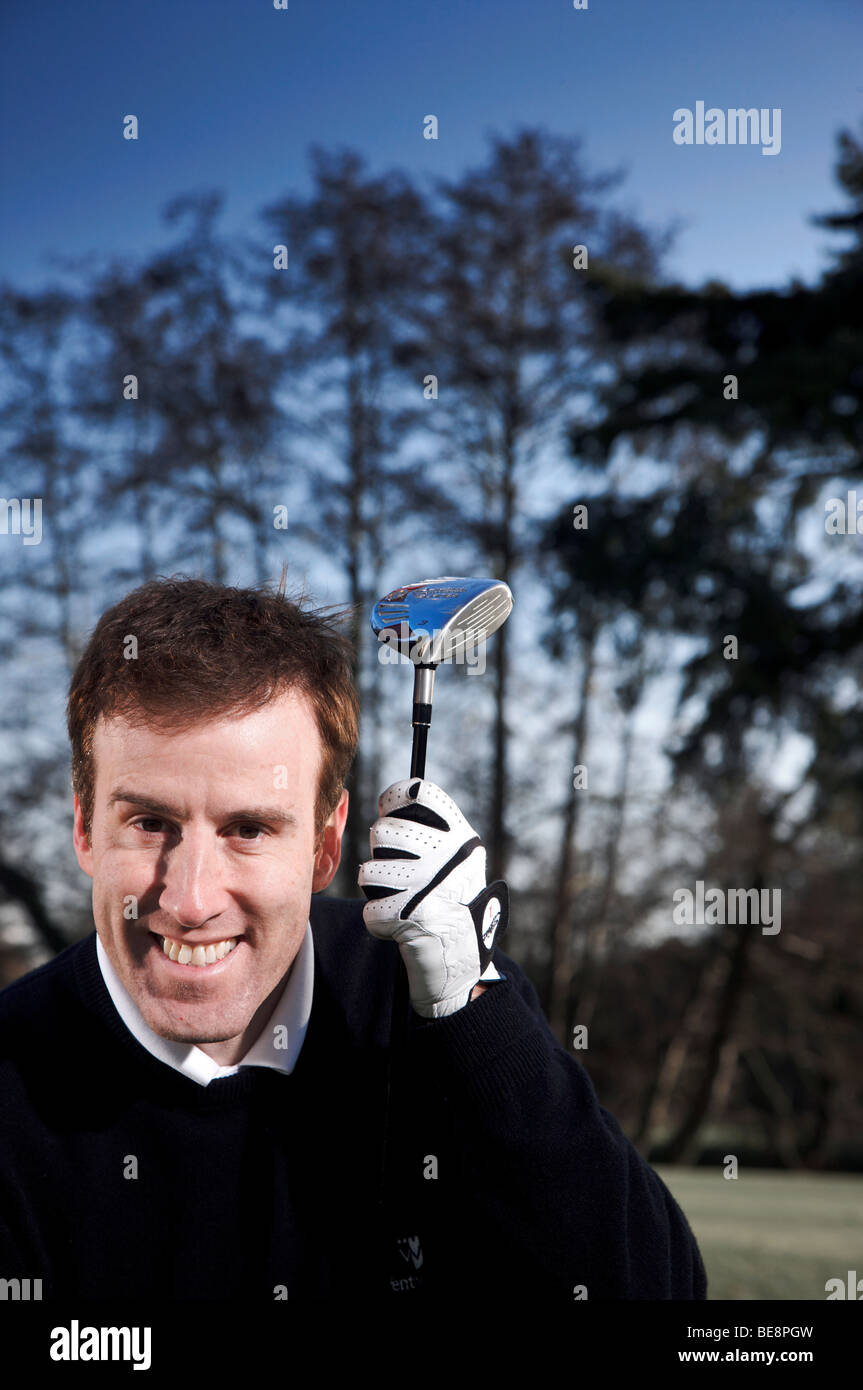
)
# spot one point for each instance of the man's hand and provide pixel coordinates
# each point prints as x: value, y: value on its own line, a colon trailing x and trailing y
x: 426, y: 889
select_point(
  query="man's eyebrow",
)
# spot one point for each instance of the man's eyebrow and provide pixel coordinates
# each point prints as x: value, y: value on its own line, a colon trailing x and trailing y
x: 276, y: 815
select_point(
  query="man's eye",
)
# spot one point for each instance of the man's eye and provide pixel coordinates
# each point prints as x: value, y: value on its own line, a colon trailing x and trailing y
x: 255, y: 829
x: 150, y: 825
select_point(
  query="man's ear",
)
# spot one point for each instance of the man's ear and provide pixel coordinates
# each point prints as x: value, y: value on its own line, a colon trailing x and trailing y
x: 83, y: 852
x: 330, y: 851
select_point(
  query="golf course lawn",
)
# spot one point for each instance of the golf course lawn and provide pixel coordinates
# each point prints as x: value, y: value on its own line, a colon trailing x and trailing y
x: 772, y: 1234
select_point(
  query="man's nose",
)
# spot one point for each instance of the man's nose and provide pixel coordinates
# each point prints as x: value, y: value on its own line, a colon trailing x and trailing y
x: 192, y: 891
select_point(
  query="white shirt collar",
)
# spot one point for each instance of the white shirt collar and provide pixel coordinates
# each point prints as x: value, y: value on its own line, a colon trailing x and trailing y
x: 292, y: 1012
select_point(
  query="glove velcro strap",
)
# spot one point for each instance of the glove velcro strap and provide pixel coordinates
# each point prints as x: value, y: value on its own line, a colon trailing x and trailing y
x: 490, y: 913
x: 446, y: 869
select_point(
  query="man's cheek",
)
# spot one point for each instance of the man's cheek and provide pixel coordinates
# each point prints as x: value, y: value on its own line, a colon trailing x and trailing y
x: 279, y: 878
x: 128, y: 889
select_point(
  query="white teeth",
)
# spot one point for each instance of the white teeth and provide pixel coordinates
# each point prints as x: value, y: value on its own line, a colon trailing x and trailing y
x: 197, y: 955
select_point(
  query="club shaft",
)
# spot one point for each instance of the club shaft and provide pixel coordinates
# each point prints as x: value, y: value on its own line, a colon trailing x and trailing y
x: 422, y: 713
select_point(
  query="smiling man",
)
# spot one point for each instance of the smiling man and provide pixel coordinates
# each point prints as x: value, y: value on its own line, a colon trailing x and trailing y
x: 235, y: 1088
x: 217, y: 865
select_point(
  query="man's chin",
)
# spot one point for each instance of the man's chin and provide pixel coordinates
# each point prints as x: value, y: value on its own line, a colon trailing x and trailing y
x: 190, y: 1039
x: 185, y: 1021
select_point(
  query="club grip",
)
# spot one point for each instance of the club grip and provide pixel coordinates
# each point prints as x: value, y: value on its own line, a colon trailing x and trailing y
x: 418, y: 754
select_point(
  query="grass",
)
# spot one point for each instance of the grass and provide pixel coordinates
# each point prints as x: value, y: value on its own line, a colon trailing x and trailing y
x: 769, y: 1234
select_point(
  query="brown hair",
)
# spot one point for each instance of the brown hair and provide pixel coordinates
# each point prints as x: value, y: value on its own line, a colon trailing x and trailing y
x: 206, y: 650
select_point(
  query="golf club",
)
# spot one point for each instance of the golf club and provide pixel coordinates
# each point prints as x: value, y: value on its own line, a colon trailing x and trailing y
x: 433, y: 621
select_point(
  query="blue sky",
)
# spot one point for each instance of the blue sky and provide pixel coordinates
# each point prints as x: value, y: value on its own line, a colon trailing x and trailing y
x: 231, y: 93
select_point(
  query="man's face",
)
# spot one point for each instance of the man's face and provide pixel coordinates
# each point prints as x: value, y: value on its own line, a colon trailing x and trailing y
x: 208, y: 835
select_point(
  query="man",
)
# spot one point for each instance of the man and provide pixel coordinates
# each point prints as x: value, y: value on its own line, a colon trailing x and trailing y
x: 234, y: 1088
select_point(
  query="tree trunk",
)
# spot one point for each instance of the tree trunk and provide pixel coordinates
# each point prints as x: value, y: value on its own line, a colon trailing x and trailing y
x: 561, y: 927
x: 688, y: 1034
x: 356, y: 829
x: 19, y: 887
x: 683, y: 1140
x: 599, y: 933
x: 499, y: 845
x: 780, y: 1105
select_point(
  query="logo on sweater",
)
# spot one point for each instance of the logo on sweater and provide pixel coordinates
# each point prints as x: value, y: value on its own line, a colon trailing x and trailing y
x: 411, y: 1254
x: 411, y: 1250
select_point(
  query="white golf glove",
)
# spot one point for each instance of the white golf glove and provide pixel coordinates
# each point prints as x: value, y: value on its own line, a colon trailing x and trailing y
x: 426, y: 889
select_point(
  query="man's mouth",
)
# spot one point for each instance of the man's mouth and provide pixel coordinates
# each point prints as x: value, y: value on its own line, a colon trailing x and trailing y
x: 184, y: 954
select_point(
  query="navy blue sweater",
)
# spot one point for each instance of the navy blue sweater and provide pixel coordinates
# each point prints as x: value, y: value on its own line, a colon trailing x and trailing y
x: 440, y: 1158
